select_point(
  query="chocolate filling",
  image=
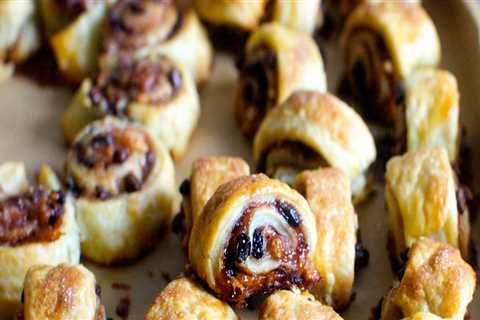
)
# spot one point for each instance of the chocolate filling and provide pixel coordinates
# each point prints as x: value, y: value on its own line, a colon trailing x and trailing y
x: 33, y: 216
x: 362, y: 256
x: 70, y: 9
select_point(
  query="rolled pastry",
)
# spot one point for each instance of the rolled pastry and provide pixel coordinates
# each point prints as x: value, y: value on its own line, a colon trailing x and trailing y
x: 160, y: 94
x: 124, y: 184
x: 19, y: 34
x: 208, y: 173
x: 37, y: 226
x: 254, y: 236
x: 312, y: 130
x: 285, y: 304
x: 328, y: 194
x: 420, y: 192
x: 277, y: 62
x: 436, y: 280
x: 183, y: 299
x: 297, y: 15
x: 64, y: 292
x: 74, y: 29
x: 141, y: 28
x: 384, y: 43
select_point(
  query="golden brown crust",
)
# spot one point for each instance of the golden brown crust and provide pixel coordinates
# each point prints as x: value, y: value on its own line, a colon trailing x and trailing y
x: 183, y: 299
x: 436, y: 280
x: 296, y: 306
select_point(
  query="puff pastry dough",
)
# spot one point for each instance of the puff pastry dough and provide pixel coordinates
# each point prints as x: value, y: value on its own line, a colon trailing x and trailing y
x: 124, y: 183
x: 208, y: 173
x: 254, y: 236
x: 277, y: 62
x: 37, y: 226
x: 159, y: 94
x: 64, y: 292
x: 136, y: 29
x: 420, y: 192
x: 436, y: 280
x: 19, y: 34
x: 183, y: 299
x: 384, y: 43
x: 311, y: 130
x: 294, y: 305
x: 328, y: 194
x: 298, y: 15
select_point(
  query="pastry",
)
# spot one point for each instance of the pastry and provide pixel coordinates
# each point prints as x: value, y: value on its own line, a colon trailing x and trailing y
x: 384, y: 43
x: 159, y: 94
x: 136, y: 29
x: 208, y: 173
x: 297, y: 15
x: 124, y: 184
x: 285, y: 304
x: 254, y: 236
x: 74, y: 29
x: 436, y: 280
x: 328, y: 194
x: 277, y: 62
x: 311, y: 130
x: 19, y: 34
x: 37, y: 226
x: 64, y: 292
x: 420, y: 192
x: 183, y: 299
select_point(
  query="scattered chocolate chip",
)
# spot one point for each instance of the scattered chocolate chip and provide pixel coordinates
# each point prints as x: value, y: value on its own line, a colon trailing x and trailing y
x: 185, y: 187
x: 242, y: 247
x: 257, y: 244
x: 362, y: 256
x: 101, y: 193
x: 132, y: 183
x: 289, y: 213
x: 120, y: 156
x: 123, y: 308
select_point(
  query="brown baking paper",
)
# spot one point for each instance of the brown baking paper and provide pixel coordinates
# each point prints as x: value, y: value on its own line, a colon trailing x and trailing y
x: 29, y: 131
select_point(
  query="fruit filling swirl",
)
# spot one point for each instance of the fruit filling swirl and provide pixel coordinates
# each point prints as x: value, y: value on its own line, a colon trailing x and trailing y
x: 133, y: 24
x: 33, y: 216
x: 145, y: 82
x: 258, y: 87
x: 107, y: 163
x: 267, y: 250
x: 73, y: 8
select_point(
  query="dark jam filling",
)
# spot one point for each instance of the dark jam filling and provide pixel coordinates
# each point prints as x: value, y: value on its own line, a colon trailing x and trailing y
x: 145, y: 82
x: 104, y: 150
x: 72, y: 8
x: 33, y: 216
x: 294, y: 269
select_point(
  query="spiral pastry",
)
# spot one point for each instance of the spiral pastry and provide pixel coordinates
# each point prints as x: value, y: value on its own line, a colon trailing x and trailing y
x: 159, y: 94
x: 136, y: 29
x: 254, y: 236
x: 208, y: 173
x: 64, y: 292
x: 37, y: 226
x: 312, y: 130
x: 285, y: 304
x: 328, y: 194
x: 277, y: 62
x: 436, y: 280
x: 184, y: 299
x: 302, y: 16
x: 124, y: 183
x: 421, y: 193
x: 74, y: 29
x: 19, y: 34
x: 384, y: 43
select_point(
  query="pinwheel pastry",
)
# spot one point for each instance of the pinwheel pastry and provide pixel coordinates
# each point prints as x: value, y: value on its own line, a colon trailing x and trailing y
x: 159, y: 94
x: 327, y: 191
x: 254, y: 236
x: 208, y: 173
x: 311, y: 130
x: 64, y: 292
x: 421, y: 194
x: 19, y: 34
x: 384, y: 43
x: 37, y: 225
x: 124, y: 184
x: 435, y: 280
x: 277, y: 62
x: 183, y: 299
x: 139, y: 28
x: 74, y: 29
x: 285, y: 304
x: 297, y: 15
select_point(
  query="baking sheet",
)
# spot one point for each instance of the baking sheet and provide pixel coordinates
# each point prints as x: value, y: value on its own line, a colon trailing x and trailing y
x: 29, y: 131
